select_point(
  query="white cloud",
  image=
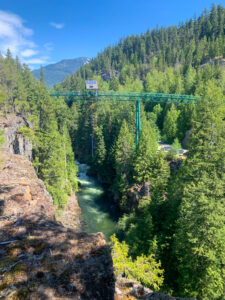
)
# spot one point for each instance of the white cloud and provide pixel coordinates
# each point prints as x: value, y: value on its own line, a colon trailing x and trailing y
x: 57, y: 25
x: 28, y: 53
x: 14, y: 35
x: 36, y: 61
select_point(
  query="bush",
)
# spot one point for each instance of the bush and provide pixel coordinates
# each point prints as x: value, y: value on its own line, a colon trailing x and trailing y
x: 27, y: 132
x: 175, y: 147
x: 144, y: 269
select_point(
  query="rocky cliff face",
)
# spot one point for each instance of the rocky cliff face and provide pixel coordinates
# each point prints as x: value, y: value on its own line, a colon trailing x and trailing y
x: 16, y: 143
x: 39, y: 257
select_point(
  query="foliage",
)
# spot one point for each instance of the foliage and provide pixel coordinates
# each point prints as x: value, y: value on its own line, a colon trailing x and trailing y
x: 123, y: 156
x: 145, y: 269
x: 185, y: 46
x: 53, y: 158
x: 199, y: 235
x: 138, y: 230
x: 27, y: 132
x: 174, y: 212
x: 175, y: 147
x: 99, y: 150
x: 170, y: 129
x: 146, y: 154
x: 42, y: 75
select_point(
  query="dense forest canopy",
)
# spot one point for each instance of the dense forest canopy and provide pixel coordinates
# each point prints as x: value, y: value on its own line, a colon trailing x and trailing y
x: 171, y: 207
x: 190, y: 44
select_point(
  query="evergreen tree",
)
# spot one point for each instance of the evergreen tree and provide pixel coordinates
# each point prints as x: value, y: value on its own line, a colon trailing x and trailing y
x: 170, y: 127
x: 99, y: 151
x: 199, y: 240
x: 146, y: 154
x: 42, y: 75
x: 53, y: 158
x: 175, y: 147
x: 189, y: 81
x: 124, y: 155
x: 114, y: 84
x: 190, y: 44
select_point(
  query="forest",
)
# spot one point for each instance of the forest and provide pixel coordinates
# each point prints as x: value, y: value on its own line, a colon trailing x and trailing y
x: 53, y: 157
x: 171, y: 208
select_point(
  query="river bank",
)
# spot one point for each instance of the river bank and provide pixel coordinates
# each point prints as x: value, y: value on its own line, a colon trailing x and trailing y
x: 70, y: 216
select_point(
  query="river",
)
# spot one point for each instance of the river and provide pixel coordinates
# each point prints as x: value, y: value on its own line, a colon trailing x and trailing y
x: 95, y: 211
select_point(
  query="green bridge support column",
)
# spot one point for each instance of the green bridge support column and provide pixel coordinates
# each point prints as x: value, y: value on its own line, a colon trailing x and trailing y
x: 92, y: 131
x: 138, y: 121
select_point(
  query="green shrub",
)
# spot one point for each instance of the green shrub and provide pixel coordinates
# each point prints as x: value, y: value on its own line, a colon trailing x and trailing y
x: 27, y: 132
x: 145, y: 269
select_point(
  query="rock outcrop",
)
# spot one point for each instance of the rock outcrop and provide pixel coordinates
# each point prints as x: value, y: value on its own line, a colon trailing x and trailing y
x: 161, y: 296
x: 15, y: 142
x: 39, y: 257
x: 21, y: 192
x: 128, y: 289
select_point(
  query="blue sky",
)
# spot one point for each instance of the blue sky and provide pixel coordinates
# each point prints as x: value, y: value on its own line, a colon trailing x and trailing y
x: 42, y: 32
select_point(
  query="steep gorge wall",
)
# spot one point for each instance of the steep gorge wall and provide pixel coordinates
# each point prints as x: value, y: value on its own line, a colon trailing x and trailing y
x: 39, y: 257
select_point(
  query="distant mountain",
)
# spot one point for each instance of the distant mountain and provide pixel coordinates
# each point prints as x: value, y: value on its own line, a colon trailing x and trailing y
x: 56, y: 73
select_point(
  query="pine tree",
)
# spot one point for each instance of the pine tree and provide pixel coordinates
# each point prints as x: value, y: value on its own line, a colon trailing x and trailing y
x: 42, y: 75
x: 124, y: 155
x: 175, y: 147
x: 200, y: 236
x: 146, y: 153
x: 53, y: 158
x: 170, y: 125
x: 124, y: 150
x: 114, y: 84
x: 9, y: 55
x: 189, y: 81
x: 99, y: 151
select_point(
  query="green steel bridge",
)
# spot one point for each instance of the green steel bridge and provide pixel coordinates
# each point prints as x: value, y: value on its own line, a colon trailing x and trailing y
x: 137, y: 97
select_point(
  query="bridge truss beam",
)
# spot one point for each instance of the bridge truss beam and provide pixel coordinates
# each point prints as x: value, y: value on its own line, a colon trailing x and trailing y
x: 137, y: 97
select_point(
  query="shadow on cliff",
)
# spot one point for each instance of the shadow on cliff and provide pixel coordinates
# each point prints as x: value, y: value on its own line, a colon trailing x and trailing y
x: 1, y: 206
x: 3, y: 189
x: 40, y: 259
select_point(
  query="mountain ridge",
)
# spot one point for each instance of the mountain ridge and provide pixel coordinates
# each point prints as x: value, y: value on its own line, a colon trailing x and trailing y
x: 57, y: 72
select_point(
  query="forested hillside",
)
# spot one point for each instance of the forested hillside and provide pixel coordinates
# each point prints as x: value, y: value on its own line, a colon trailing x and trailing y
x: 190, y: 44
x: 53, y: 157
x: 171, y: 209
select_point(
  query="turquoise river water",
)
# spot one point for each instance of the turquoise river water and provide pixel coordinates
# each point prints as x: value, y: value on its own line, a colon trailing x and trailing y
x: 95, y: 212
